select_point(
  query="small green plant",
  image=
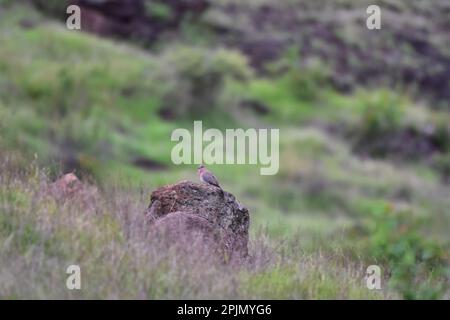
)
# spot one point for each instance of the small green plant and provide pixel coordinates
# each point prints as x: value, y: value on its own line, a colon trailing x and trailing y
x: 417, y: 267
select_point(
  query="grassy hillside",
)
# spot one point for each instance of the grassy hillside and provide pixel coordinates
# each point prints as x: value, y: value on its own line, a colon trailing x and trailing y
x: 363, y: 176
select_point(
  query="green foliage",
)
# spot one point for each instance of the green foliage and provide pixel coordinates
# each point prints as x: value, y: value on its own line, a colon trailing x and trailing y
x: 380, y: 124
x: 418, y: 267
x: 306, y: 79
x: 197, y: 78
x: 382, y: 113
x: 158, y: 10
x: 78, y: 99
x: 307, y: 83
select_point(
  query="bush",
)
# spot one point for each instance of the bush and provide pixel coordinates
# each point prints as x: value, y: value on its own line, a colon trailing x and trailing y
x: 382, y: 113
x: 418, y: 267
x: 386, y: 128
x: 196, y: 78
x: 380, y: 128
x: 157, y: 10
x: 307, y: 81
x: 305, y: 78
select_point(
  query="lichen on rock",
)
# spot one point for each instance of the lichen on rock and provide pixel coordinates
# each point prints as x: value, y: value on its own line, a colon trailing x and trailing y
x: 187, y: 211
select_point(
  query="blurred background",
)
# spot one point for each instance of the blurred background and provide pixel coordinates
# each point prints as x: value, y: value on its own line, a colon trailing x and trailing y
x: 364, y: 116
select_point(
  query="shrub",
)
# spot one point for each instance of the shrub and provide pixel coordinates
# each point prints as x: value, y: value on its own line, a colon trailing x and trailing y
x: 380, y: 125
x: 417, y: 266
x: 382, y: 113
x: 307, y: 81
x: 196, y: 78
x: 157, y: 10
x: 305, y: 78
x: 441, y: 163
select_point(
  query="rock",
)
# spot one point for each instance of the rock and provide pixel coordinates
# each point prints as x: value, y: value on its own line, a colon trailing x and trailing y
x: 189, y: 211
x: 69, y: 187
x: 68, y: 184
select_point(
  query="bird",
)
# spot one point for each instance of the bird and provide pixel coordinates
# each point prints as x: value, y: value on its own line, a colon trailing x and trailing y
x: 208, y: 177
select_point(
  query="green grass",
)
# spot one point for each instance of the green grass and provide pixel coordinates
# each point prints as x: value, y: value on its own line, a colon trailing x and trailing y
x: 65, y: 89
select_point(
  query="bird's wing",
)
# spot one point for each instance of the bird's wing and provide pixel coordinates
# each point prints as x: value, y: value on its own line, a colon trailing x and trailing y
x: 211, y: 179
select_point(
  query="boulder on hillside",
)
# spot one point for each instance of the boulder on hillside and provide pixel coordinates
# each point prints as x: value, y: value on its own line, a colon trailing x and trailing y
x: 188, y: 212
x: 70, y: 188
x: 67, y: 185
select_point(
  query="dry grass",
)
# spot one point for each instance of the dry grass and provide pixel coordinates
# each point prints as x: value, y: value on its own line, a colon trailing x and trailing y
x: 43, y: 232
